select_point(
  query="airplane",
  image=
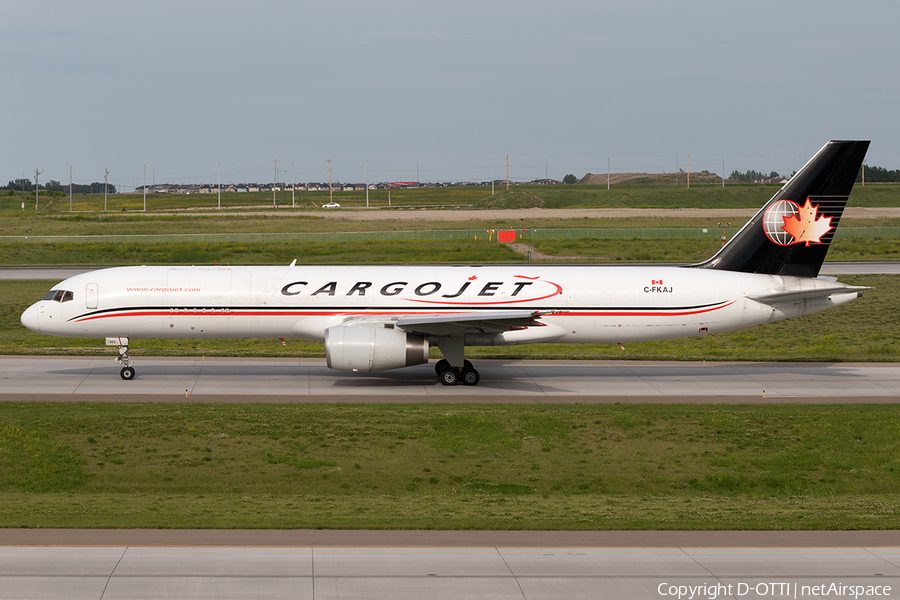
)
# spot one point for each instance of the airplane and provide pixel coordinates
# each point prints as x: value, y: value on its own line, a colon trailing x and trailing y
x: 374, y: 318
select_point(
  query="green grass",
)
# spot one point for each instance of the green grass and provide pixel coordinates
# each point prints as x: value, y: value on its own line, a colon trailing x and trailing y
x: 466, y: 251
x: 92, y: 224
x: 695, y: 250
x: 243, y: 253
x: 846, y: 333
x: 156, y: 224
x: 555, y: 196
x: 629, y: 250
x: 449, y: 466
x: 117, y: 203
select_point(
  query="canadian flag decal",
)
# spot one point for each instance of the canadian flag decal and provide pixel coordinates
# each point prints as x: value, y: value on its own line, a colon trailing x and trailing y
x: 656, y: 282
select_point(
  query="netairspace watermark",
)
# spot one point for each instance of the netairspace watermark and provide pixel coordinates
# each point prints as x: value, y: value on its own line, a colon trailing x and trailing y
x: 778, y: 589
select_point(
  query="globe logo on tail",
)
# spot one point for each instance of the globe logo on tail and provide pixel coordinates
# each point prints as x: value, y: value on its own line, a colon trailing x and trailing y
x: 787, y: 223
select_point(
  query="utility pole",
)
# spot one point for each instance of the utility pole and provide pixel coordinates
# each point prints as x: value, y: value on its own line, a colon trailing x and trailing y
x: 36, y: 186
x: 293, y: 186
x: 274, y: 182
x: 70, y: 189
x: 219, y: 180
x: 723, y: 171
x: 492, y: 177
x: 507, y: 171
x: 105, y: 187
x: 607, y: 173
x: 145, y: 188
x: 689, y: 171
x: 330, y: 189
x: 367, y: 183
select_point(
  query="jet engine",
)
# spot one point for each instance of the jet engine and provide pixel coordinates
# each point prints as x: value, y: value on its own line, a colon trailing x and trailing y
x: 373, y: 348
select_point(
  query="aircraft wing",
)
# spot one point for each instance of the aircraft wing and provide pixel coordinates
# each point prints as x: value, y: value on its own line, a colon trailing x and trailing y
x: 442, y: 324
x: 796, y: 296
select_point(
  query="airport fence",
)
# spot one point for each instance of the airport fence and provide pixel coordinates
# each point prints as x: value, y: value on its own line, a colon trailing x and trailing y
x: 618, y: 233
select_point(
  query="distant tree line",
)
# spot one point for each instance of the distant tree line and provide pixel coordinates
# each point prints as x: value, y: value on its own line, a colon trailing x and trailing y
x: 753, y: 176
x: 26, y: 185
x: 873, y: 175
x: 880, y: 175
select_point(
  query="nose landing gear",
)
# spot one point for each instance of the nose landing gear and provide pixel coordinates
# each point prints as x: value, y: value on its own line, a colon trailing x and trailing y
x: 127, y: 372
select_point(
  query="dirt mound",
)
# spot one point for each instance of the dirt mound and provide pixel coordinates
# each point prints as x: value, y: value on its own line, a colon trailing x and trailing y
x: 680, y: 178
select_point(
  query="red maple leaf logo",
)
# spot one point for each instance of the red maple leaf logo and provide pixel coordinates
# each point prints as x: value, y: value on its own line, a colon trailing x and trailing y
x: 806, y: 226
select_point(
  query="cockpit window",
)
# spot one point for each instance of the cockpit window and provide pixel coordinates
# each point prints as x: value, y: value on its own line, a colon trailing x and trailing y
x: 59, y: 296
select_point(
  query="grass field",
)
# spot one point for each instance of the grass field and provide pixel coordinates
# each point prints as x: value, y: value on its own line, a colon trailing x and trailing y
x: 694, y: 251
x: 245, y: 253
x: 93, y: 224
x: 554, y: 196
x: 449, y: 467
x: 471, y: 251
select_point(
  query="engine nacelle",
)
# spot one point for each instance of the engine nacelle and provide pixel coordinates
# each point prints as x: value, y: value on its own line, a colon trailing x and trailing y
x: 373, y: 348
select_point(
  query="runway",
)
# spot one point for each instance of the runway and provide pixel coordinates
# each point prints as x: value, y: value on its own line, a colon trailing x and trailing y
x: 397, y: 571
x: 44, y: 378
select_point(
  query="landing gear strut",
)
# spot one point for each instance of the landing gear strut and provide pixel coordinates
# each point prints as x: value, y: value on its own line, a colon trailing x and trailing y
x: 123, y: 359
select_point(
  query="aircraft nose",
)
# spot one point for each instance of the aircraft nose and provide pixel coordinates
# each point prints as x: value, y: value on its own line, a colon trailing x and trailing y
x: 30, y: 318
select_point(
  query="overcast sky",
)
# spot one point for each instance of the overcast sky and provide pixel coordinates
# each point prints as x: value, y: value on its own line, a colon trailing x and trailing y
x: 182, y: 87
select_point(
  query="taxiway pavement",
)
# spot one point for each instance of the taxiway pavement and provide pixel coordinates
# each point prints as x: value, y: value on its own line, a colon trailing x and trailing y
x: 309, y: 380
x: 399, y: 572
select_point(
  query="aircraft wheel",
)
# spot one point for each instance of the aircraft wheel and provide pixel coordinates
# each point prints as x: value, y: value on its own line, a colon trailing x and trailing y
x: 127, y: 373
x: 470, y: 376
x: 467, y: 364
x: 449, y: 376
x: 441, y: 365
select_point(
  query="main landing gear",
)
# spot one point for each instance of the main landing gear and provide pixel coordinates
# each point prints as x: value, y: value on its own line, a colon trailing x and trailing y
x: 450, y: 375
x: 455, y: 368
x: 123, y: 359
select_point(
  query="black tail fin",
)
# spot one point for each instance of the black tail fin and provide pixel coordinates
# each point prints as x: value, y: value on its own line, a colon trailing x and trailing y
x: 791, y: 233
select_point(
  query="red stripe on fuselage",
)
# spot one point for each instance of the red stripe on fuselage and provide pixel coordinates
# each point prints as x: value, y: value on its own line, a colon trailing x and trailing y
x: 330, y: 313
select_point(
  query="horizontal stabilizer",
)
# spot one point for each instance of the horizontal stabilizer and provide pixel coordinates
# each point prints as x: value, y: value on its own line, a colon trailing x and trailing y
x: 781, y: 297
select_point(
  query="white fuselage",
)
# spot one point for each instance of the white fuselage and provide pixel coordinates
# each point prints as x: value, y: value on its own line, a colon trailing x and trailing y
x: 583, y: 303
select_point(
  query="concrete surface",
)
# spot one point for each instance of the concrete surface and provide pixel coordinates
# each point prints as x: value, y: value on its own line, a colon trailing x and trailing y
x: 309, y: 380
x: 398, y: 573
